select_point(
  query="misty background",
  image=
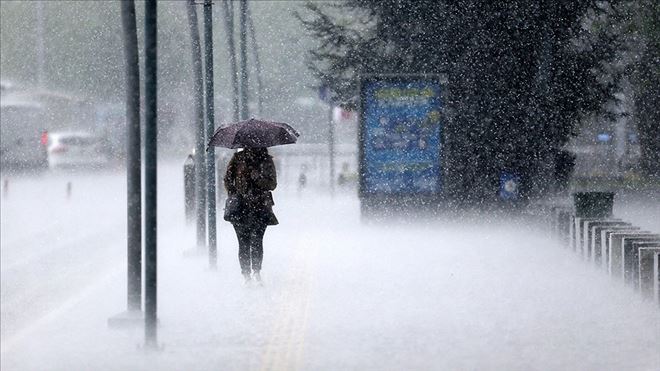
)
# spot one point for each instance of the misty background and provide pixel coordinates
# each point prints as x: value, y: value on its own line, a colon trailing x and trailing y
x: 83, y: 58
x: 551, y: 92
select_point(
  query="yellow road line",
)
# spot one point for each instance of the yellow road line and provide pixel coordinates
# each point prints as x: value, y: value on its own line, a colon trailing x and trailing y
x: 285, y: 348
x: 312, y: 266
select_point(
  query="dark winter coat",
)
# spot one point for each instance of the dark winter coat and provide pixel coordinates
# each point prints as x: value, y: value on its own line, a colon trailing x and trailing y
x: 251, y: 175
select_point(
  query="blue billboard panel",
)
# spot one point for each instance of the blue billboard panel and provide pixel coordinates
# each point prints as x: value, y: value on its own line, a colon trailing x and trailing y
x: 401, y: 137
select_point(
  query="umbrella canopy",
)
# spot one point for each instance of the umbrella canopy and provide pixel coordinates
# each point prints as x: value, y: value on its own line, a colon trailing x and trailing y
x: 254, y: 133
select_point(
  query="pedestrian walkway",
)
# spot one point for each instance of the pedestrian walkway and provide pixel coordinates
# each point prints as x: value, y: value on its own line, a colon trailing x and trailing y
x: 340, y: 295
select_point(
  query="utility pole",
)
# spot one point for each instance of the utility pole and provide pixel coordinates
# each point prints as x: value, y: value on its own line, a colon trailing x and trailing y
x: 257, y: 62
x: 326, y: 96
x: 243, y: 49
x: 331, y: 147
x: 41, y: 50
x: 229, y: 29
x: 150, y: 173
x: 546, y: 180
x: 198, y: 86
x: 133, y: 160
x: 210, y: 129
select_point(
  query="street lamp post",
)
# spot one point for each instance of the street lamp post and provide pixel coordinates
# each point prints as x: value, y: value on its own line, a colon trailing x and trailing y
x: 133, y: 160
x: 150, y: 173
x: 198, y: 87
x: 41, y: 49
x: 243, y: 50
x: 210, y: 128
x: 228, y: 9
x: 133, y: 315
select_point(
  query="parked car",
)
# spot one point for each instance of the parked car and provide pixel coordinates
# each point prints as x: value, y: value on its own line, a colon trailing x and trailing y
x: 75, y: 149
x: 23, y: 135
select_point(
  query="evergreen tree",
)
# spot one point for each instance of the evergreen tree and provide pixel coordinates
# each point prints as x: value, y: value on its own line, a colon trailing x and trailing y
x: 642, y: 23
x: 634, y: 28
x: 520, y: 76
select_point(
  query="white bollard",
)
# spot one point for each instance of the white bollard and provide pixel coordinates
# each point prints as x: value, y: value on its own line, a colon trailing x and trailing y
x: 648, y: 274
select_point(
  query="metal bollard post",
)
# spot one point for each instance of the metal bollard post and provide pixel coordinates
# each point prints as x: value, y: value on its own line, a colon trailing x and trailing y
x: 649, y: 270
x: 581, y: 232
x: 617, y: 243
x: 69, y: 189
x: 559, y: 222
x: 589, y: 230
x: 630, y: 256
x: 606, y: 237
x: 5, y: 188
x: 644, y: 266
x: 596, y: 243
x: 189, y: 188
x: 564, y: 226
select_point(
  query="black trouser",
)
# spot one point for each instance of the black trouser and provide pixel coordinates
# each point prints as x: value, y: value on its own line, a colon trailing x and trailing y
x: 250, y: 245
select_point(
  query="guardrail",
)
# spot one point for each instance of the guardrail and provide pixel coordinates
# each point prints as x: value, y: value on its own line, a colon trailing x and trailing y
x: 622, y: 250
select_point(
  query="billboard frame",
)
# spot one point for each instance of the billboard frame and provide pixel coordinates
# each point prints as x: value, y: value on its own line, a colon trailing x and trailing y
x: 398, y: 197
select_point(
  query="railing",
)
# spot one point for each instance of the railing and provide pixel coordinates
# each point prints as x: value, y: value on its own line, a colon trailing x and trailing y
x: 620, y: 249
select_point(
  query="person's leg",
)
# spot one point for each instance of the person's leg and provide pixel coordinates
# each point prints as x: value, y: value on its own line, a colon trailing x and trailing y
x: 257, y: 246
x: 243, y: 237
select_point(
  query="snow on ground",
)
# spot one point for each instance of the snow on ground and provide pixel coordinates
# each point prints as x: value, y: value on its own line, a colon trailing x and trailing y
x: 338, y: 295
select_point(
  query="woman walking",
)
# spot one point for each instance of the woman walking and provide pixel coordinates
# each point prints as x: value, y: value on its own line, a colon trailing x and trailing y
x: 249, y: 180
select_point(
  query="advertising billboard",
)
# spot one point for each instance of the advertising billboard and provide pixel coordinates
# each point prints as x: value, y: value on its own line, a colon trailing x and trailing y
x: 401, y: 131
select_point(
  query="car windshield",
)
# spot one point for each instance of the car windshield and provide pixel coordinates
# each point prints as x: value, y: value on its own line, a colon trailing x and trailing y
x: 78, y: 141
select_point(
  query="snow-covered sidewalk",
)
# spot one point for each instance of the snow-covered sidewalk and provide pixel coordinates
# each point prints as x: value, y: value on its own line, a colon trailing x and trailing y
x: 342, y: 295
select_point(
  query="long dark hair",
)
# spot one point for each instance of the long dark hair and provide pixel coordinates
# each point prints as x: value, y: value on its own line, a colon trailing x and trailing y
x: 260, y: 153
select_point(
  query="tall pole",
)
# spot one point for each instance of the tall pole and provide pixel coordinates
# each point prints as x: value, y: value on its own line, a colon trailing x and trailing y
x: 257, y: 62
x: 133, y: 160
x: 41, y: 50
x: 198, y: 86
x: 150, y: 174
x: 243, y: 49
x: 331, y: 148
x: 545, y: 175
x: 210, y: 128
x: 229, y: 29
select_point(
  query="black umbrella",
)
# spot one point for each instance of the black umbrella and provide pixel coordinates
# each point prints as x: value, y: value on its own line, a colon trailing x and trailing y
x: 254, y: 133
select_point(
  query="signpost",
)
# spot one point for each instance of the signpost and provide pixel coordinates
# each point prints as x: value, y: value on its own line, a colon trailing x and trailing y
x: 326, y: 96
x: 401, y: 139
